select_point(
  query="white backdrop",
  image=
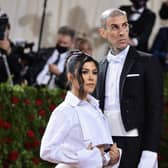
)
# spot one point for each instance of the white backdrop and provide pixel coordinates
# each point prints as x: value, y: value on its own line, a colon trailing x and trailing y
x: 83, y: 15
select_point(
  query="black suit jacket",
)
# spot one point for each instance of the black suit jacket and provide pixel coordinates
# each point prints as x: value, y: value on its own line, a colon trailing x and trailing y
x: 140, y: 96
x: 13, y: 63
x: 141, y: 28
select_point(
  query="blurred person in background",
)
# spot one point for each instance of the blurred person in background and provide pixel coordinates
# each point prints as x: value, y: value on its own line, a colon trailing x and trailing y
x: 160, y: 44
x: 10, y: 66
x: 141, y: 21
x: 81, y: 44
x: 84, y: 45
x: 163, y: 12
x: 55, y: 58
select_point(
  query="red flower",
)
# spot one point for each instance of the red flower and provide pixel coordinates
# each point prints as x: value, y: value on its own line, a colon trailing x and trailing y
x: 28, y: 145
x: 13, y: 155
x: 35, y: 160
x: 32, y: 145
x: 38, y: 102
x: 52, y: 107
x: 41, y: 130
x: 8, y: 140
x: 26, y: 101
x: 36, y: 143
x: 6, y: 164
x: 41, y: 113
x: 6, y: 125
x: 63, y: 96
x: 15, y: 100
x: 30, y: 134
x: 1, y: 123
x: 31, y: 117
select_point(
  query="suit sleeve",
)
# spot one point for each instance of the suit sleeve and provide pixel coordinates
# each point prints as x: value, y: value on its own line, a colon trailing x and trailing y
x: 158, y: 45
x: 147, y: 30
x: 154, y: 105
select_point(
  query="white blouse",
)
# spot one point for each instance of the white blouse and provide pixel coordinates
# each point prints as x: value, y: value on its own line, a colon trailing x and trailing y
x: 73, y: 125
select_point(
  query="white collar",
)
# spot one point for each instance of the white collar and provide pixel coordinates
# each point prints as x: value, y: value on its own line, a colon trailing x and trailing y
x: 73, y: 100
x: 120, y: 57
x: 140, y: 10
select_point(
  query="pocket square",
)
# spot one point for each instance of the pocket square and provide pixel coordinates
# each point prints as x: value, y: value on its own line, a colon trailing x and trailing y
x: 132, y: 75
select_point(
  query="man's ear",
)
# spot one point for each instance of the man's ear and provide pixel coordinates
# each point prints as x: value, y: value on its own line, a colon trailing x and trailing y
x: 102, y: 33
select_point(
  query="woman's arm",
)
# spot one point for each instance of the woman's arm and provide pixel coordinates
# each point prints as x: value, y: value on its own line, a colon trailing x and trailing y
x: 55, y: 149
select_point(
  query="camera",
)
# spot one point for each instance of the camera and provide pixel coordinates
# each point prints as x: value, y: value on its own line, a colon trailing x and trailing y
x: 3, y: 24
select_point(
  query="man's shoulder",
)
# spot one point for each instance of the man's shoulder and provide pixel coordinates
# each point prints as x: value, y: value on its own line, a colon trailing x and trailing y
x: 125, y: 7
x: 144, y: 54
x: 102, y: 60
x: 146, y: 58
x: 149, y: 13
x: 163, y: 30
x: 47, y: 49
x: 45, y: 53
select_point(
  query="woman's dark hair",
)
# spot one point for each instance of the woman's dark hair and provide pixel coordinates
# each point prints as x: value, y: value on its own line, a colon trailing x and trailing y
x: 74, y: 65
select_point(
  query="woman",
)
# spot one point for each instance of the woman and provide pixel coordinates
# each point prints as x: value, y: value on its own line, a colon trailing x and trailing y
x: 77, y: 133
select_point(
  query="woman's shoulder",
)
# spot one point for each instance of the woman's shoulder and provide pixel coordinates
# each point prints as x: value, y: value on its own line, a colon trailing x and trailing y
x: 64, y: 108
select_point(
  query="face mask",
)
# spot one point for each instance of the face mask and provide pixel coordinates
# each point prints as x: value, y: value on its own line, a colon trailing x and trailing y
x: 61, y: 49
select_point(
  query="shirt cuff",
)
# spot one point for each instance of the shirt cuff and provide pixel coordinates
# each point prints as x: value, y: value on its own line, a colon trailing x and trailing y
x: 148, y: 159
x: 106, y: 159
x: 90, y: 158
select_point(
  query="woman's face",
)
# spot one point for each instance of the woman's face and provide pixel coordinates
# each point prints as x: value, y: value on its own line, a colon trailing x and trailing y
x: 89, y: 74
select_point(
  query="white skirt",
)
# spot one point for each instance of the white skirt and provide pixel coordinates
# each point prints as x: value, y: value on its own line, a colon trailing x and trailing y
x: 61, y: 165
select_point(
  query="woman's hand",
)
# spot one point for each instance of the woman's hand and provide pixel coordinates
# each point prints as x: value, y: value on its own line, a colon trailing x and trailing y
x: 114, y: 154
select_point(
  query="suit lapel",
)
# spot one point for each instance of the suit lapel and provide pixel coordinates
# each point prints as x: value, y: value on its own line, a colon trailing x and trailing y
x: 103, y: 70
x: 130, y: 60
x: 101, y: 82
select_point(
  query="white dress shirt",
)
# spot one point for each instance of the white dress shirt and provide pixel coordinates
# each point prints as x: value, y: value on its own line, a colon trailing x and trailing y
x: 45, y: 75
x: 73, y: 125
x: 112, y: 106
x: 112, y: 102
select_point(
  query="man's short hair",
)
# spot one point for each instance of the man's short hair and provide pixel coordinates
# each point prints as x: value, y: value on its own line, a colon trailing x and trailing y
x: 66, y: 30
x: 113, y: 12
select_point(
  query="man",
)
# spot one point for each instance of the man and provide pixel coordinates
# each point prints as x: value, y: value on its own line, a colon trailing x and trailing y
x: 130, y: 94
x: 160, y: 44
x: 10, y: 67
x: 54, y: 66
x: 163, y: 12
x: 141, y: 21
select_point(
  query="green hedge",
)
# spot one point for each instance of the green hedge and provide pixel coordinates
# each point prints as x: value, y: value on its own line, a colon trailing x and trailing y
x: 24, y: 113
x: 163, y: 155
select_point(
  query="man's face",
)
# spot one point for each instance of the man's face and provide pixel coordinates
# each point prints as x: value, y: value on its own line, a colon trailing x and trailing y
x: 139, y: 3
x: 65, y: 41
x: 116, y: 32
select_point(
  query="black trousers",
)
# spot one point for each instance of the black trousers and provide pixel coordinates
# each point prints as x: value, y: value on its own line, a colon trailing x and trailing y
x: 131, y: 151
